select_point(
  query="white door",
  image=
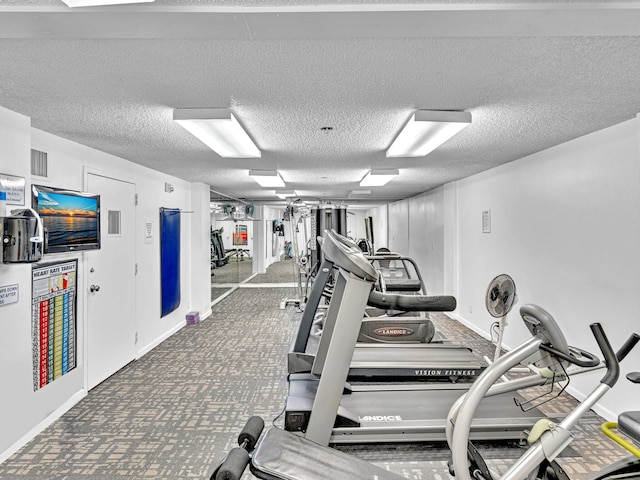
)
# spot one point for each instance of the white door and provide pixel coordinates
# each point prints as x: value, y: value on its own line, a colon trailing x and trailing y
x: 111, y: 330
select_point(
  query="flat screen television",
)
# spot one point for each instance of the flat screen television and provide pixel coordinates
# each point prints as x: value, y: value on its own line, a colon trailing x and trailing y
x: 71, y: 219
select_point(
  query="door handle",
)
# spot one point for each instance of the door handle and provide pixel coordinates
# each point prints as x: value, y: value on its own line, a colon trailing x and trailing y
x: 94, y: 288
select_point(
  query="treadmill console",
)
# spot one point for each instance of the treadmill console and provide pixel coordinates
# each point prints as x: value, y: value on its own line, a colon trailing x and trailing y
x: 346, y: 255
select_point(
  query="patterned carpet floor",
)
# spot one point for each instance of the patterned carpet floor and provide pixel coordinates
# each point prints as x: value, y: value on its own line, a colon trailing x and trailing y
x: 175, y: 412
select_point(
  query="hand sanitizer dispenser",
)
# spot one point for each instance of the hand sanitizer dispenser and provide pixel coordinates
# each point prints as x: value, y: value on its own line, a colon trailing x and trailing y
x: 22, y: 237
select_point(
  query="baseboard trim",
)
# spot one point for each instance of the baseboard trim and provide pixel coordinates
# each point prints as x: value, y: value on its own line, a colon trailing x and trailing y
x: 52, y: 417
x: 248, y: 279
x: 233, y: 289
x: 223, y: 296
x: 470, y: 325
x: 605, y: 413
x: 147, y: 348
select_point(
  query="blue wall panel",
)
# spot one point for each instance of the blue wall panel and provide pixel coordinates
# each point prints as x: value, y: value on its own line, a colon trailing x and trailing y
x: 170, y: 259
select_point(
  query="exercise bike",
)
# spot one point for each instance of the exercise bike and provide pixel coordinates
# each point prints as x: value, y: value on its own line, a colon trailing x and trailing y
x: 276, y: 454
x: 547, y: 439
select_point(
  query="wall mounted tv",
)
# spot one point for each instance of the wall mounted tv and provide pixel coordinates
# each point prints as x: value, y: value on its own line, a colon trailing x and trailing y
x: 71, y: 219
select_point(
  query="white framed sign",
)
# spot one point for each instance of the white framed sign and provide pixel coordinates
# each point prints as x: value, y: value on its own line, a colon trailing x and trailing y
x: 148, y: 232
x: 486, y: 221
x: 14, y: 186
x: 9, y: 294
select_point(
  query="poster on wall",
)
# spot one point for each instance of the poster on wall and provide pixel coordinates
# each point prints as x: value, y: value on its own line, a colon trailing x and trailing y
x: 240, y: 236
x: 14, y: 187
x: 53, y: 321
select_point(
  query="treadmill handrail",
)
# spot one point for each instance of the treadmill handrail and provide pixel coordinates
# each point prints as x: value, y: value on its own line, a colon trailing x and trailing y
x: 306, y: 322
x: 402, y: 258
x: 412, y: 303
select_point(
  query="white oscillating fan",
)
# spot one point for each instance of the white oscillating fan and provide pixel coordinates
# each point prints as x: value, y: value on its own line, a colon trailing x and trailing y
x: 501, y: 297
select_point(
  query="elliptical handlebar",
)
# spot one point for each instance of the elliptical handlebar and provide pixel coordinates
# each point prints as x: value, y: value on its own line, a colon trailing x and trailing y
x: 610, y: 359
x: 591, y: 359
x: 624, y: 350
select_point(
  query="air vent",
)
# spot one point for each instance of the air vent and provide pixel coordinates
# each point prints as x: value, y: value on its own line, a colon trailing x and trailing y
x: 114, y: 227
x: 39, y: 165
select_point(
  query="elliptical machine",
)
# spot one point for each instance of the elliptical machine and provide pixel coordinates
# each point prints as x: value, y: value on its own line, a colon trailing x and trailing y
x: 547, y: 439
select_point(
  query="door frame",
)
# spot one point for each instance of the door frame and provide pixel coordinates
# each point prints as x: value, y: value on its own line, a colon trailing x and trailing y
x: 86, y: 171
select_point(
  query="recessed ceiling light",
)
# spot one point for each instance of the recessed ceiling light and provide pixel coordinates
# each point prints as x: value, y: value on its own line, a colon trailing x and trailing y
x: 285, y: 193
x: 378, y: 177
x: 426, y: 130
x: 267, y: 178
x: 219, y: 130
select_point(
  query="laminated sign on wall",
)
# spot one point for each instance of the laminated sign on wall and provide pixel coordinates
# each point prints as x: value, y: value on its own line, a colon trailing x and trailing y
x: 53, y: 321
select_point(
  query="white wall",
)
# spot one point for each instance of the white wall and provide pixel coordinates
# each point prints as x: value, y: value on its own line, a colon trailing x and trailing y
x: 565, y: 227
x: 450, y: 238
x: 355, y: 224
x: 200, y: 250
x: 398, y: 221
x: 380, y: 217
x: 426, y: 238
x: 23, y: 412
x: 416, y: 229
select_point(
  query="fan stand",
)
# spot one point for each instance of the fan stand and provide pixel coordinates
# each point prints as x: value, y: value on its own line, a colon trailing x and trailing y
x: 502, y: 324
x: 499, y: 296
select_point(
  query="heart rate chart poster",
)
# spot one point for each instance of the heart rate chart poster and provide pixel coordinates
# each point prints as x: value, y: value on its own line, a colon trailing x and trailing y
x: 241, y: 235
x: 53, y: 321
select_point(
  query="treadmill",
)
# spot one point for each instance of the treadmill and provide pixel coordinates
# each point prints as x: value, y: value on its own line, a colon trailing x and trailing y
x: 397, y: 274
x: 434, y: 362
x: 387, y: 320
x: 327, y: 410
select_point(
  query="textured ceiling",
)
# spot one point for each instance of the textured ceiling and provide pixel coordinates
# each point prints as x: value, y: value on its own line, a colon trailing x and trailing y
x: 299, y: 3
x: 531, y: 76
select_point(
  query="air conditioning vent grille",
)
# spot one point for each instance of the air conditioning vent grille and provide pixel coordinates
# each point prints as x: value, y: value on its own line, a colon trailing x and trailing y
x: 39, y: 164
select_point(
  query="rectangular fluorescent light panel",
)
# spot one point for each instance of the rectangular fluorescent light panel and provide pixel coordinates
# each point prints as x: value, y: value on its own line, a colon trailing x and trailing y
x: 99, y: 3
x: 360, y: 192
x: 285, y: 193
x: 219, y: 130
x: 378, y: 178
x: 267, y: 178
x: 426, y: 130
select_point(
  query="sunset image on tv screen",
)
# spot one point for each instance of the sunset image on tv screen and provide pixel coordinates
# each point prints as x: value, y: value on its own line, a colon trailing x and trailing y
x: 69, y: 219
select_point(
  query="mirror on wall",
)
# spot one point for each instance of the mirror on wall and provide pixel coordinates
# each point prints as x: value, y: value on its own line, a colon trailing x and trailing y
x: 289, y: 234
x: 232, y: 228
